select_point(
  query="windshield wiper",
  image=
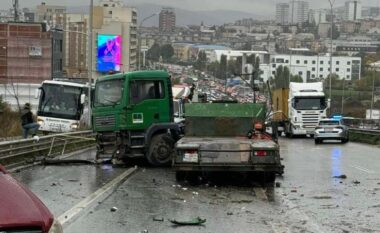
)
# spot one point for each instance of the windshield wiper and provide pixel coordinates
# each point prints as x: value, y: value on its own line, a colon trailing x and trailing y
x: 112, y: 101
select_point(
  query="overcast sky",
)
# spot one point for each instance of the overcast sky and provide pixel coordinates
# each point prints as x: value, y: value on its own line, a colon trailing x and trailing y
x: 252, y: 6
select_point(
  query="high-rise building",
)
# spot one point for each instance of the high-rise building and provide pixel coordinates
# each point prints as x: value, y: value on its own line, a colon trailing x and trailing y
x: 54, y: 16
x: 282, y: 13
x: 76, y: 45
x: 113, y: 18
x: 318, y: 16
x: 167, y: 20
x: 299, y: 12
x: 353, y: 10
x: 26, y: 53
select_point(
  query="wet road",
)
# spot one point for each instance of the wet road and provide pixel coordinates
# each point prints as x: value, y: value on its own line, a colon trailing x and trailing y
x: 309, y: 199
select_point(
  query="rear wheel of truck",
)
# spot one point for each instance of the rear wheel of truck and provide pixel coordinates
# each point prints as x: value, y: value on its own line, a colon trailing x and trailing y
x: 180, y: 176
x: 160, y: 150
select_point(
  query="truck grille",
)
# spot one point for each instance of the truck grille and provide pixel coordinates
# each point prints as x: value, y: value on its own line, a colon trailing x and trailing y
x: 105, y: 121
x: 310, y: 121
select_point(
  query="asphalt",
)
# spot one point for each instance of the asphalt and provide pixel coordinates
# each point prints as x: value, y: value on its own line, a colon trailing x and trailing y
x: 309, y: 198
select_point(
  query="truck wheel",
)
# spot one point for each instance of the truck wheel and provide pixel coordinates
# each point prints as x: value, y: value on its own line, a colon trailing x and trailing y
x: 160, y: 151
x: 316, y: 141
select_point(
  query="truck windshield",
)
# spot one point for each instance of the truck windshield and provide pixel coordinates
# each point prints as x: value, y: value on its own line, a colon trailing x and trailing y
x: 108, y: 92
x: 60, y: 101
x: 309, y: 103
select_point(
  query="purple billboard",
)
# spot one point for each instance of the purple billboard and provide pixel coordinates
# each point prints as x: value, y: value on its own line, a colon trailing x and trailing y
x: 109, y: 53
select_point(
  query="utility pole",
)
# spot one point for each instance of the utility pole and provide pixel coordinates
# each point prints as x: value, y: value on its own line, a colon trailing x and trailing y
x: 331, y: 43
x: 15, y: 8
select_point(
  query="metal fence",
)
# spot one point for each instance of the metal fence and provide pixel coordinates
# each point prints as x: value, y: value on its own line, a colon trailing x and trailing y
x: 29, y: 150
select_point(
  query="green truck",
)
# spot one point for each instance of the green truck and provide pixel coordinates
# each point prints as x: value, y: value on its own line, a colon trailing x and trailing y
x: 227, y: 137
x: 132, y: 116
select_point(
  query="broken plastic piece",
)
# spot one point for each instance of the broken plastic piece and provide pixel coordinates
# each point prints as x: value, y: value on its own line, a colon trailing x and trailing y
x: 194, y: 222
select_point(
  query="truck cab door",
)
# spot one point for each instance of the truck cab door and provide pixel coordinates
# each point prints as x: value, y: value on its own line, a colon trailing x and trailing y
x: 147, y: 103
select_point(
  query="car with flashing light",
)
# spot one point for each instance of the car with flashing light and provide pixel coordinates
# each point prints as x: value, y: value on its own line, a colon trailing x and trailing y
x: 21, y: 211
x: 331, y: 129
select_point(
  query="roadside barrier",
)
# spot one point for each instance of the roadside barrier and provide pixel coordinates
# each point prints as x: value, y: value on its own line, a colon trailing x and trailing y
x: 369, y: 136
x: 23, y: 151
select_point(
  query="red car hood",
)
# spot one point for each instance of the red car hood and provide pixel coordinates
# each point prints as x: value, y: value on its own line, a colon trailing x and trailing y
x: 19, y: 207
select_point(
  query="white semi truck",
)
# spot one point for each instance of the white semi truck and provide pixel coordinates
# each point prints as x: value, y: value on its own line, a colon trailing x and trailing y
x: 298, y: 109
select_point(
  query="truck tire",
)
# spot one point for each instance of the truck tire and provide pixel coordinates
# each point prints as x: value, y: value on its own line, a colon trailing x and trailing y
x: 160, y: 150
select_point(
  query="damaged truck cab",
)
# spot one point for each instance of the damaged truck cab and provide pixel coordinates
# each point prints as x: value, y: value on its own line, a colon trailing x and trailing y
x: 221, y: 137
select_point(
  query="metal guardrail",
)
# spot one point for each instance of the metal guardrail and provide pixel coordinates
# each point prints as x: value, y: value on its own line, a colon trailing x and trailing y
x: 19, y: 151
x: 371, y: 136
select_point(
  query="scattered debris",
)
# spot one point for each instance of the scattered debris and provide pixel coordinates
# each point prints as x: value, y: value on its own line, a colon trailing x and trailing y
x: 177, y: 199
x: 195, y: 193
x: 53, y: 184
x: 184, y: 189
x: 376, y: 206
x: 193, y: 222
x: 302, y: 195
x: 278, y: 184
x: 156, y: 219
x: 154, y: 180
x: 73, y: 180
x: 322, y: 197
x: 293, y: 191
x: 242, y: 201
x: 230, y: 213
x: 340, y: 176
x: 114, y: 209
x: 144, y: 231
x: 356, y: 182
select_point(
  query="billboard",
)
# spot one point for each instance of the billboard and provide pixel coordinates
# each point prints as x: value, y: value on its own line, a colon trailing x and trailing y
x: 109, y: 53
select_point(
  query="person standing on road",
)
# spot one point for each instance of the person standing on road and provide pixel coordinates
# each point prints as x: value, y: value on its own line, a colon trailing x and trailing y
x: 27, y: 121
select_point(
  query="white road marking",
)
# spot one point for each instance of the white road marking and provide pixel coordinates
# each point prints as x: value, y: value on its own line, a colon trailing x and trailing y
x: 65, y: 217
x: 362, y: 169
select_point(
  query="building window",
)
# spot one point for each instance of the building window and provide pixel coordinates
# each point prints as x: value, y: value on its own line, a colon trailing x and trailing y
x: 321, y: 69
x: 313, y: 62
x: 337, y: 69
x: 286, y: 61
x: 300, y: 73
x: 313, y: 76
x: 321, y: 62
x: 298, y: 61
x: 337, y: 62
x: 328, y: 69
x: 321, y: 76
x: 348, y: 63
x: 110, y: 12
x: 274, y: 72
x: 348, y: 77
x: 348, y: 69
x: 274, y: 65
x: 305, y: 62
x: 313, y: 69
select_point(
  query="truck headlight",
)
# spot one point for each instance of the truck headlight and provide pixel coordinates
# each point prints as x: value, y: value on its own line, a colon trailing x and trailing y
x: 40, y: 121
x: 56, y: 227
x: 74, y: 126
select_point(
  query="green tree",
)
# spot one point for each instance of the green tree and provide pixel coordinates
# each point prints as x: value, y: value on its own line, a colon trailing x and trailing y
x: 223, y: 66
x: 153, y: 52
x: 167, y: 52
x: 281, y: 78
x: 201, y: 61
x: 296, y: 79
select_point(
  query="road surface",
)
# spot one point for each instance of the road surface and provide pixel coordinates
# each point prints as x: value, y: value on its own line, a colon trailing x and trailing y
x: 309, y: 198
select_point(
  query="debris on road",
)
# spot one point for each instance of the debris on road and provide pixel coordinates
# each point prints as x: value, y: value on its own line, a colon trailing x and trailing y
x: 340, y: 176
x: 322, y: 197
x: 356, y: 182
x: 177, y: 199
x: 278, y: 184
x: 293, y: 190
x: 114, y: 209
x: 242, y: 201
x: 157, y: 219
x: 230, y: 213
x: 194, y: 222
x: 195, y: 193
x: 73, y: 180
x: 184, y: 189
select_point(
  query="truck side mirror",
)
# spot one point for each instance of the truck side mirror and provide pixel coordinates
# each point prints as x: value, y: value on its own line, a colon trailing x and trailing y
x: 82, y: 98
x: 37, y: 93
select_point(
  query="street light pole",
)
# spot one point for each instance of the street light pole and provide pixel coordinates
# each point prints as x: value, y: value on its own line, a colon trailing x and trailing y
x: 331, y: 41
x: 373, y: 92
x: 139, y: 38
x: 89, y: 72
